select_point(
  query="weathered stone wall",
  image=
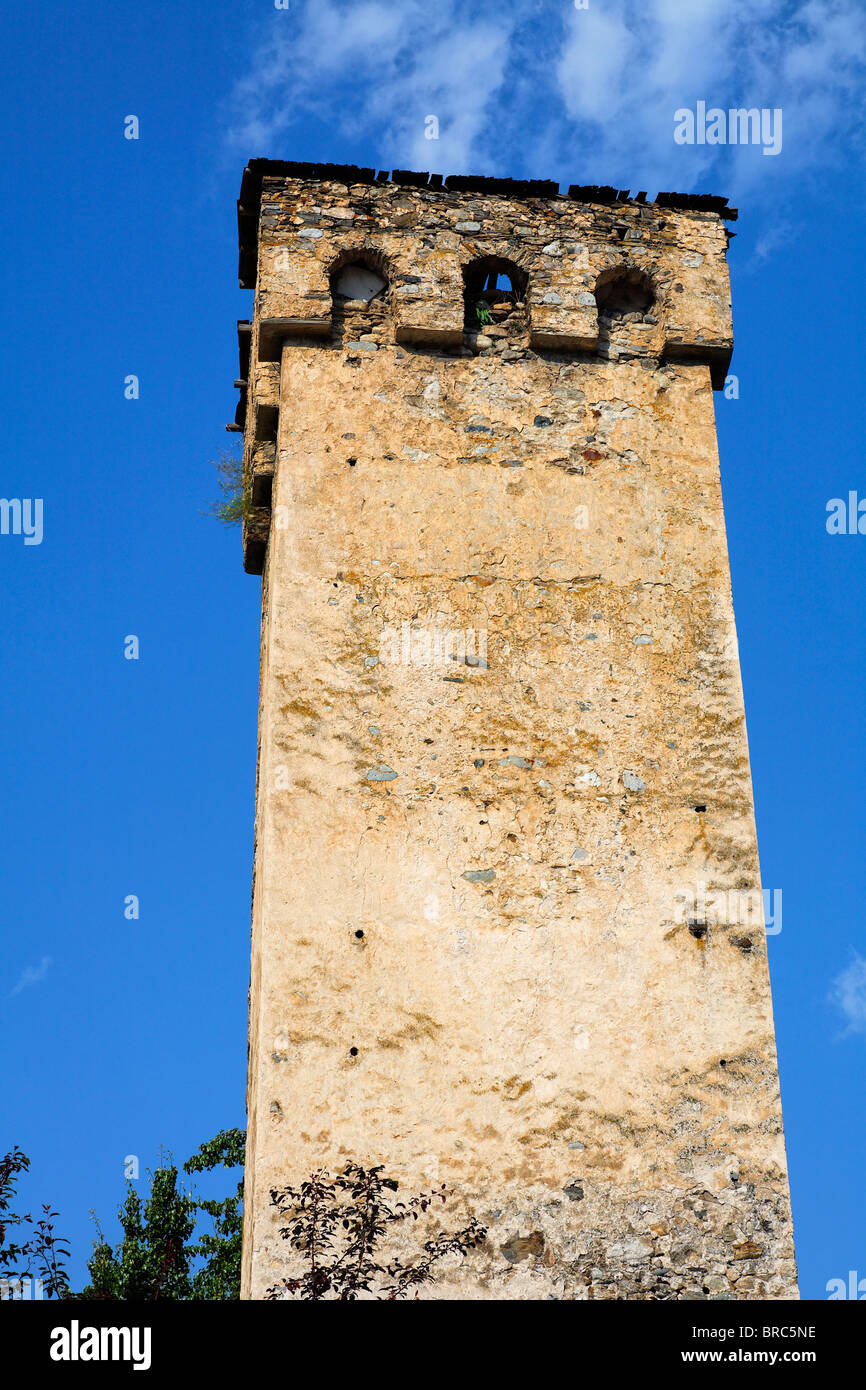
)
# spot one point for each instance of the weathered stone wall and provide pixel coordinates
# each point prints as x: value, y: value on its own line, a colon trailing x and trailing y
x: 472, y: 961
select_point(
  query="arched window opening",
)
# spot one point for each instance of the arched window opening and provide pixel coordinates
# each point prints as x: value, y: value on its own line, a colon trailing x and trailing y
x: 358, y: 282
x: 494, y: 294
x: 626, y: 314
x: 359, y: 294
x: 623, y: 292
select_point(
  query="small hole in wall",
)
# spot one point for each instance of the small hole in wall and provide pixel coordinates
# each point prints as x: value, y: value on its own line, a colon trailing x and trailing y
x: 352, y: 462
x: 698, y: 930
x: 353, y: 1051
x: 722, y: 1062
x: 700, y: 809
x: 359, y: 935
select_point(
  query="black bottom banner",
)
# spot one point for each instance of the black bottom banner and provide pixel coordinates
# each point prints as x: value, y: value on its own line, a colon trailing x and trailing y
x: 59, y: 1340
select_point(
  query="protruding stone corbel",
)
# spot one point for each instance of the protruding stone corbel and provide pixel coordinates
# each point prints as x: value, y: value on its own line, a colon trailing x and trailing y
x: 436, y: 321
x: 568, y: 322
x: 274, y: 331
x: 717, y: 353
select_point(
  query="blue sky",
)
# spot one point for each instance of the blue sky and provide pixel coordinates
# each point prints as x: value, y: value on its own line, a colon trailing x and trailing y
x: 137, y: 777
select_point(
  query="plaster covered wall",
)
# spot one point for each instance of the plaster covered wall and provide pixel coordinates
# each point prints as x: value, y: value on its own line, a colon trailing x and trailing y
x: 502, y: 737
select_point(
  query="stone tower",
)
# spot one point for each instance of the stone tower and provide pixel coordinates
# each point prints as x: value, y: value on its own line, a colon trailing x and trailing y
x: 506, y: 930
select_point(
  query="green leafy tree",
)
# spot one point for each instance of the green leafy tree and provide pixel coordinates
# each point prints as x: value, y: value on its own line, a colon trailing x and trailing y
x: 220, y: 1276
x: 156, y: 1256
x: 42, y: 1250
x: 152, y: 1259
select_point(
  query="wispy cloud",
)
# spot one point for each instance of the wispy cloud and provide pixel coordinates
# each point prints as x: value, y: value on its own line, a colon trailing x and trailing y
x: 769, y: 241
x: 31, y: 975
x: 537, y: 87
x: 374, y: 71
x: 848, y: 993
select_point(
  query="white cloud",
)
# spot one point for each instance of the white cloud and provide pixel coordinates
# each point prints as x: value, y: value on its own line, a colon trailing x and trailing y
x: 375, y: 71
x: 31, y: 975
x: 769, y: 242
x: 538, y: 88
x: 594, y: 71
x: 848, y: 993
x: 806, y: 59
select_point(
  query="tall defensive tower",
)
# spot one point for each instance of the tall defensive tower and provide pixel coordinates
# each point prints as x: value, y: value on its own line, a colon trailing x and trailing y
x: 504, y: 930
